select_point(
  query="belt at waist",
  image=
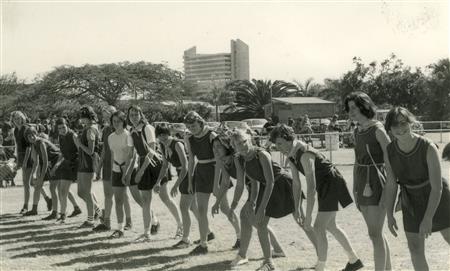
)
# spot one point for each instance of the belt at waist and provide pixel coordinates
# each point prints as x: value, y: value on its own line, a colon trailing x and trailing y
x: 369, y: 165
x: 404, y: 197
x: 206, y: 161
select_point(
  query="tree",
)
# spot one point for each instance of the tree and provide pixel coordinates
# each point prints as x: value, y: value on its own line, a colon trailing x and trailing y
x: 438, y: 98
x: 308, y: 88
x: 252, y: 96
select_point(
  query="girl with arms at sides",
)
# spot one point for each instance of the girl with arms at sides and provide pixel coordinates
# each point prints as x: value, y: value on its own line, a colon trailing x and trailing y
x: 323, y: 179
x: 413, y: 164
x: 369, y: 174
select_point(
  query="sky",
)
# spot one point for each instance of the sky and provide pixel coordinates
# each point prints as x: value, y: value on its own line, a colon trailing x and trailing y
x: 287, y: 40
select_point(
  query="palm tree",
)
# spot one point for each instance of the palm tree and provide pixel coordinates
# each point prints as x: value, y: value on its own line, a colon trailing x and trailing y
x: 252, y: 96
x: 308, y: 88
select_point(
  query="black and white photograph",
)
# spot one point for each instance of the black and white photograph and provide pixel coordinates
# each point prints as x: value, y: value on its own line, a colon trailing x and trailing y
x: 213, y: 135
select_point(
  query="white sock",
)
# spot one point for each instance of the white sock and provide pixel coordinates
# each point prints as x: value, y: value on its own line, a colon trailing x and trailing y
x: 120, y: 226
x: 352, y: 257
x: 320, y: 266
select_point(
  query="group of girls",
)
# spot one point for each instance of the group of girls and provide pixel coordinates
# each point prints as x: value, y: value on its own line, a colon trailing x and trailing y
x: 386, y: 156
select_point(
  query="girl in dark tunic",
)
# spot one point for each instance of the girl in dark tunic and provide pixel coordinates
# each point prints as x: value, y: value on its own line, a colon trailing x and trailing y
x: 371, y: 141
x: 225, y: 161
x: 23, y: 152
x: 88, y: 159
x: 174, y: 153
x: 323, y: 179
x: 201, y: 174
x: 65, y: 169
x: 413, y: 164
x: 273, y: 198
x: 44, y: 156
x: 150, y: 165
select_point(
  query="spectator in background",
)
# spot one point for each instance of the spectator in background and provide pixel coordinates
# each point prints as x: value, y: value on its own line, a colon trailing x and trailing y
x: 297, y: 125
x: 267, y: 125
x: 333, y: 126
x: 290, y: 122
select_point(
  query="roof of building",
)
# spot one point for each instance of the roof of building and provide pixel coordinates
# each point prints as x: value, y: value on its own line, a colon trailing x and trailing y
x: 302, y: 100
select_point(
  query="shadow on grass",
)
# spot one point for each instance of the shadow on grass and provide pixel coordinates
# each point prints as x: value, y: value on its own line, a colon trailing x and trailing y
x: 56, y: 244
x: 23, y: 228
x: 98, y: 258
x: 42, y: 235
x: 5, y: 217
x: 17, y: 221
x: 121, y: 264
x: 70, y: 250
x: 223, y: 265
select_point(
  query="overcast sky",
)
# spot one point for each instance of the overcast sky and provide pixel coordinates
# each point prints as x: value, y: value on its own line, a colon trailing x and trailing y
x: 287, y: 40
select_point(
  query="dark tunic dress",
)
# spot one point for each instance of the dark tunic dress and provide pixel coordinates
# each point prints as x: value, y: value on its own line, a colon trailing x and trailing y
x: 202, y: 148
x: 88, y: 163
x: 22, y: 145
x: 330, y: 184
x: 172, y: 157
x: 52, y: 156
x: 411, y: 170
x: 151, y: 173
x: 281, y: 201
x: 68, y: 168
x: 366, y: 172
x: 106, y: 167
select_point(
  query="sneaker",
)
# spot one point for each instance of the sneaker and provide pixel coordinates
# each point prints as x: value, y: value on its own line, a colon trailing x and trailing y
x: 237, y: 244
x: 266, y: 266
x: 30, y: 213
x: 87, y: 224
x: 210, y: 237
x: 49, y: 204
x: 75, y: 212
x: 116, y: 234
x: 154, y: 229
x: 278, y: 254
x: 143, y: 238
x: 97, y: 213
x: 199, y: 250
x: 23, y: 211
x: 181, y: 244
x: 353, y: 266
x: 179, y: 233
x: 61, y: 219
x: 53, y: 215
x: 238, y: 261
x: 101, y: 227
x: 128, y: 226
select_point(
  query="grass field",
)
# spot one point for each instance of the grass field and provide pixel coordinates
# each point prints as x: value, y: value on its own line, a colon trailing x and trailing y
x: 32, y: 244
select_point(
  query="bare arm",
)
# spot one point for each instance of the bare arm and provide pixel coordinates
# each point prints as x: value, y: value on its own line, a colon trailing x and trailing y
x: 266, y: 163
x: 296, y: 185
x: 225, y: 181
x: 184, y: 162
x: 307, y: 161
x: 191, y: 160
x: 390, y: 188
x: 163, y: 171
x: 435, y: 175
x: 44, y: 166
x: 89, y: 149
x: 240, y: 183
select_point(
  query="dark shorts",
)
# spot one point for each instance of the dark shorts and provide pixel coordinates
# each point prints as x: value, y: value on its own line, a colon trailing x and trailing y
x: 281, y: 201
x: 150, y: 175
x: 117, y: 179
x: 413, y: 209
x: 204, y: 177
x: 88, y: 163
x: 331, y: 191
x: 67, y: 171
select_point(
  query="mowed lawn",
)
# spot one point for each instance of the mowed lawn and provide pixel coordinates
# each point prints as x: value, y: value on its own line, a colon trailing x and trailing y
x: 28, y: 243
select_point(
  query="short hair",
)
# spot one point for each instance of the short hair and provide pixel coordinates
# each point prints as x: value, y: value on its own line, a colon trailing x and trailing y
x: 192, y: 117
x: 446, y: 152
x: 61, y: 121
x: 363, y: 102
x: 87, y: 112
x: 239, y: 134
x: 397, y: 115
x: 162, y: 129
x: 121, y: 116
x: 282, y: 131
x: 141, y: 114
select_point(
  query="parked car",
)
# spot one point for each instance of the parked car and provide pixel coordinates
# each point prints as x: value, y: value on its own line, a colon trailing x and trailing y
x: 256, y: 124
x: 233, y: 125
x: 156, y: 123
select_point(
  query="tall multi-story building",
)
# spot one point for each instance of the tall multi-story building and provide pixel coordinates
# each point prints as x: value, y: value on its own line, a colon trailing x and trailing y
x: 214, y: 70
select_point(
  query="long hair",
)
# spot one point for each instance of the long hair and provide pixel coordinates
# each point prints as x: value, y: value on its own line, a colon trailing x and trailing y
x: 141, y: 114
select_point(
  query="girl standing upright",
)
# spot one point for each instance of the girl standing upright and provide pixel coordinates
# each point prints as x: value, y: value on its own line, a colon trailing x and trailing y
x: 413, y: 164
x: 371, y: 141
